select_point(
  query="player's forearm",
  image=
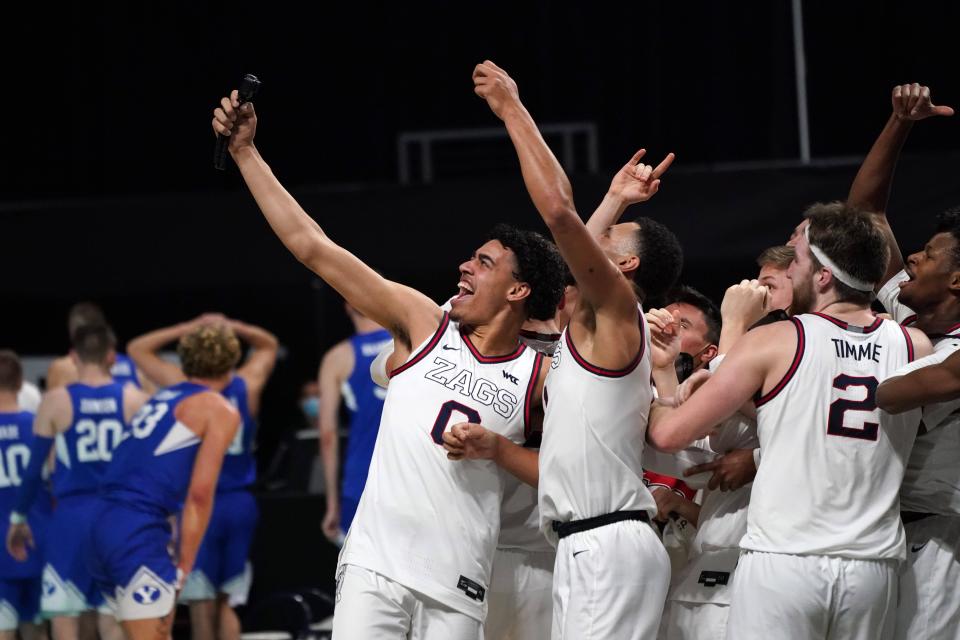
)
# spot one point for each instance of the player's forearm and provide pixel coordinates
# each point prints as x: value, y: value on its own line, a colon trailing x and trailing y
x: 300, y: 233
x: 688, y: 510
x: 607, y: 214
x: 731, y: 331
x: 257, y: 337
x: 330, y: 455
x: 919, y: 388
x: 518, y: 461
x: 144, y: 352
x: 193, y: 524
x: 871, y: 188
x: 543, y: 176
x: 665, y: 380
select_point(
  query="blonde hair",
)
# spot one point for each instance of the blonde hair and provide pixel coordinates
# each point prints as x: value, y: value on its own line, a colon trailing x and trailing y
x: 209, y: 351
x: 779, y: 257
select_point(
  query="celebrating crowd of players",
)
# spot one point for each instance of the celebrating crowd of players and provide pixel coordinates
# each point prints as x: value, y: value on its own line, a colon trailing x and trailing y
x: 506, y: 495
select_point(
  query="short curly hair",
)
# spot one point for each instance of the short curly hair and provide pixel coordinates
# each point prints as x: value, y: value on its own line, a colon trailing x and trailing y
x: 209, y: 351
x: 539, y: 264
x: 661, y: 260
x: 949, y: 222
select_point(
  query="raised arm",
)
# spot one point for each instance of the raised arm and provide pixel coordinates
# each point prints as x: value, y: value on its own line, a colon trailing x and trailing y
x: 336, y: 367
x: 635, y: 182
x: 599, y: 281
x: 409, y: 315
x: 145, y: 352
x: 871, y: 188
x: 220, y: 423
x: 258, y: 367
x: 926, y: 381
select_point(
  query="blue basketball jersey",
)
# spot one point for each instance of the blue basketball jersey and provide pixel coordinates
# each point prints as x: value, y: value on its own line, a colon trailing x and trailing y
x: 151, y: 468
x: 16, y: 438
x: 364, y: 399
x: 239, y: 466
x: 124, y: 371
x: 86, y: 447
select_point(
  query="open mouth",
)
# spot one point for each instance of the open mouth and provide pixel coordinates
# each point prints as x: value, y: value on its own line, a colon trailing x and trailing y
x: 910, y: 278
x: 464, y: 290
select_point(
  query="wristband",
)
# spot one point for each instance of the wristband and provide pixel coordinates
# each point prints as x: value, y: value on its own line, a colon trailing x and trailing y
x: 17, y: 518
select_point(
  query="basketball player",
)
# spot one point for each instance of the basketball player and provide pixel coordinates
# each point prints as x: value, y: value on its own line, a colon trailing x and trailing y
x: 823, y: 563
x: 416, y: 562
x: 168, y: 463
x: 924, y: 293
x: 87, y: 418
x: 345, y: 376
x: 596, y: 402
x: 222, y: 575
x: 20, y: 578
x: 63, y: 370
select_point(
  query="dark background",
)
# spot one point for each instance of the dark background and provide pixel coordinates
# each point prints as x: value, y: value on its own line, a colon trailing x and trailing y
x: 107, y: 190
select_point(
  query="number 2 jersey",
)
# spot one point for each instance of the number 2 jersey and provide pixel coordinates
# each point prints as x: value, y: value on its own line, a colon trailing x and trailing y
x: 424, y: 521
x: 829, y: 479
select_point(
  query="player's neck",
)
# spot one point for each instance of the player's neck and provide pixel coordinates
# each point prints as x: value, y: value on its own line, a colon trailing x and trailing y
x: 498, y: 337
x: 852, y: 312
x: 215, y: 384
x: 542, y: 326
x: 8, y: 402
x: 941, y: 318
x: 93, y: 374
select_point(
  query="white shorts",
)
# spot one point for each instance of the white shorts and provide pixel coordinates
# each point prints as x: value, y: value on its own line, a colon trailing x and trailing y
x: 370, y: 607
x: 610, y: 582
x: 521, y: 595
x: 813, y: 597
x: 929, y: 605
x: 145, y: 596
x: 694, y: 621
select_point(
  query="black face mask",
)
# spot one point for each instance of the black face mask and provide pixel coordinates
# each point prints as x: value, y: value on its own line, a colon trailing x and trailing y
x: 684, y: 366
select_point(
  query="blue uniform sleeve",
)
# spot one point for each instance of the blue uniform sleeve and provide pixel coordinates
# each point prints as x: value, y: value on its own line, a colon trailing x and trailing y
x: 32, y: 477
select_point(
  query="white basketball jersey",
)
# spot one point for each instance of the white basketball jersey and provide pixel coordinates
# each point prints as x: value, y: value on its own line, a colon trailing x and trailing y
x: 932, y: 480
x: 593, y: 436
x: 829, y: 479
x: 424, y: 521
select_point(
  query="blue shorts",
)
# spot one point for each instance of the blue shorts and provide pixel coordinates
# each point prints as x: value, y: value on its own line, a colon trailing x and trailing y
x: 68, y: 587
x: 222, y: 561
x: 131, y: 561
x: 19, y: 601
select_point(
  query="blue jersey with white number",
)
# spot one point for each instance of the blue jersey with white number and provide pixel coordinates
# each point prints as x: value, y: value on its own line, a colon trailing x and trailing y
x: 86, y: 447
x: 239, y: 466
x: 16, y: 438
x: 151, y: 468
x: 124, y: 371
x: 364, y: 400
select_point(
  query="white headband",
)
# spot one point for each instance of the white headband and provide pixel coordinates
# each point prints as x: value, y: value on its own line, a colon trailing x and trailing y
x: 838, y: 273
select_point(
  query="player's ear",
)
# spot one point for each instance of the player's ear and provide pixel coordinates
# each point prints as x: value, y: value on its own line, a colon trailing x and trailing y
x: 628, y: 265
x: 518, y: 291
x: 954, y: 283
x: 74, y: 358
x: 111, y: 357
x: 709, y: 354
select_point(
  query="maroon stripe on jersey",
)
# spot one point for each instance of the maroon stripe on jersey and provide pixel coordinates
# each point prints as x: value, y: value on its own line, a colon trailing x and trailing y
x: 846, y: 325
x: 426, y: 349
x: 482, y: 359
x: 542, y: 337
x: 600, y: 371
x: 528, y: 397
x: 798, y: 356
x: 906, y: 335
x: 910, y: 320
x: 952, y: 330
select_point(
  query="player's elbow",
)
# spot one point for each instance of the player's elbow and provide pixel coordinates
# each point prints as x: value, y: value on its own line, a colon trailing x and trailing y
x: 309, y: 246
x: 200, y: 497
x: 665, y: 440
x: 558, y: 211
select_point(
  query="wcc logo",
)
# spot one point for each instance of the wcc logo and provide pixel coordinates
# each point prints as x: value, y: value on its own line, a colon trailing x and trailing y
x: 146, y: 594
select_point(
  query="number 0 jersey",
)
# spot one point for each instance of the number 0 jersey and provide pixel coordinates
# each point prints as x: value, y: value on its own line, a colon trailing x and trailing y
x: 832, y: 464
x: 424, y: 521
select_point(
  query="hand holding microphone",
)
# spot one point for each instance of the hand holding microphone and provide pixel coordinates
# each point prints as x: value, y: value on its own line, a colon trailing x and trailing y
x: 235, y: 121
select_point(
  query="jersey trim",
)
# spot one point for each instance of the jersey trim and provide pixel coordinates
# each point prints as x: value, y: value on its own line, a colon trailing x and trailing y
x: 909, y: 320
x: 851, y: 327
x: 542, y: 337
x: 528, y: 397
x: 482, y: 359
x: 798, y: 356
x: 611, y: 373
x: 906, y: 336
x: 426, y: 349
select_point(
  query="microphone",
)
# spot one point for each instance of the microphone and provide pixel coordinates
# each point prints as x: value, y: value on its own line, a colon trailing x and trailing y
x: 248, y: 88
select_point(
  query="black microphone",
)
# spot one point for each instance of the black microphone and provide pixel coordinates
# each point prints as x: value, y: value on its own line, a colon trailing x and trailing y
x: 248, y: 88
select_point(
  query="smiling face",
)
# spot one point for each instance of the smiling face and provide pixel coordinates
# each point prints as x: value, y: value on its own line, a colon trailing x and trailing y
x: 932, y: 273
x: 488, y: 284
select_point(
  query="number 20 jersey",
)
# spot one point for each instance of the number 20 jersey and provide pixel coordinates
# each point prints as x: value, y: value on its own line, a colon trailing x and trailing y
x: 829, y: 479
x: 85, y: 449
x: 424, y: 521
